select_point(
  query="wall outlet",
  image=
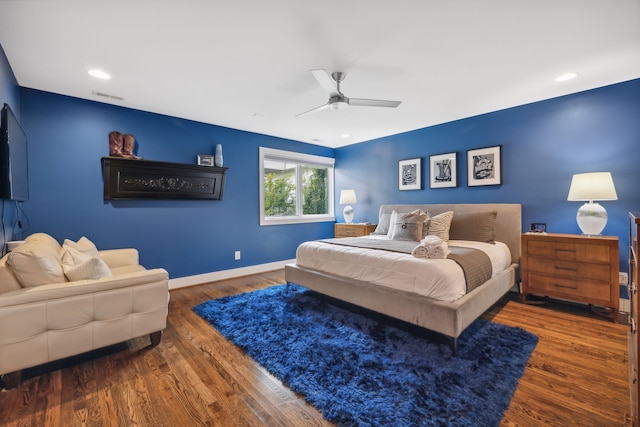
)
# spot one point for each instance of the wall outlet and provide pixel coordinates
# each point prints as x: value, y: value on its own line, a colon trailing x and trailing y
x: 237, y: 255
x: 623, y: 278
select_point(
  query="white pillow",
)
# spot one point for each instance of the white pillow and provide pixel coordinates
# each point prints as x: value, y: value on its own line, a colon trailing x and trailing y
x: 83, y: 245
x: 439, y: 225
x: 36, y: 262
x: 407, y: 226
x: 80, y: 266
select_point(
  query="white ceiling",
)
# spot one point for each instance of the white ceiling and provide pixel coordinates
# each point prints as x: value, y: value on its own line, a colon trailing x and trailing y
x: 245, y: 64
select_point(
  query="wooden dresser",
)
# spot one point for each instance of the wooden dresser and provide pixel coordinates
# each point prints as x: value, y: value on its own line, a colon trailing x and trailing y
x: 352, y: 230
x: 634, y: 228
x: 573, y: 267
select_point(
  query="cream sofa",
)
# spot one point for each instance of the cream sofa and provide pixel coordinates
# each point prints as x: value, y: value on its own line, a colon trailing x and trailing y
x: 62, y: 300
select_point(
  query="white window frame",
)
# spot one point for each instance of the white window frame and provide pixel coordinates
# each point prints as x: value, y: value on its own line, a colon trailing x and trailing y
x: 302, y: 160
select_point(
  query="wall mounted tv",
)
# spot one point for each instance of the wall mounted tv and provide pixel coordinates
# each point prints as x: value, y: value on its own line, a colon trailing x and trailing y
x: 14, y: 171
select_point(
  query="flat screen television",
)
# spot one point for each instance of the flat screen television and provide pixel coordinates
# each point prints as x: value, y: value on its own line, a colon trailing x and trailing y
x: 14, y: 169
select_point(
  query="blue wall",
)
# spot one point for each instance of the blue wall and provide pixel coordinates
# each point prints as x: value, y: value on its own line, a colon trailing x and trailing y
x: 543, y: 145
x: 67, y: 138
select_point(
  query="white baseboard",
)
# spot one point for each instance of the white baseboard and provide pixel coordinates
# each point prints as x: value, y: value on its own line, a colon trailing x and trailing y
x: 199, y: 279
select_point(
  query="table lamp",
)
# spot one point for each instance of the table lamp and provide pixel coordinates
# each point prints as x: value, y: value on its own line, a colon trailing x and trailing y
x: 348, y: 197
x: 592, y: 217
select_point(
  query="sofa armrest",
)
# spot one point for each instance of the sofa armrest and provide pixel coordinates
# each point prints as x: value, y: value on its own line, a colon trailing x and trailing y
x: 120, y: 257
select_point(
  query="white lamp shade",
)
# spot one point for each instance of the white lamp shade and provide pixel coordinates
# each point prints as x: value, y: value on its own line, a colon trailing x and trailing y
x: 348, y: 197
x: 592, y: 186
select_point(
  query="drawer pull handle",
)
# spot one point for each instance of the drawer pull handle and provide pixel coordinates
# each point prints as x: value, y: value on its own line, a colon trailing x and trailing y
x: 565, y: 286
x: 566, y: 268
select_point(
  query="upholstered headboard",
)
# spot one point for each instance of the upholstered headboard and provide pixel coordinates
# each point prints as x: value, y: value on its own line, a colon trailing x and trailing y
x: 508, y: 219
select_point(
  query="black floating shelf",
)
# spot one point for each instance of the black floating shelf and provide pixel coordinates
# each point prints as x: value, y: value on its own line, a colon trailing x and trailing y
x: 144, y: 179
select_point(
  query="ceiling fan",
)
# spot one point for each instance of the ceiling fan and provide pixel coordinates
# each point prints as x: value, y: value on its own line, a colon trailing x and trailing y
x: 337, y: 100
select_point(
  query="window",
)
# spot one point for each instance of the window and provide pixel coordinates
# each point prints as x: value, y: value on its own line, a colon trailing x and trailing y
x: 295, y: 187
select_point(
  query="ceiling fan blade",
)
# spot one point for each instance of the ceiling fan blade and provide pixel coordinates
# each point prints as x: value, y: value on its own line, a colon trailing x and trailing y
x: 325, y: 80
x: 357, y: 102
x: 320, y: 108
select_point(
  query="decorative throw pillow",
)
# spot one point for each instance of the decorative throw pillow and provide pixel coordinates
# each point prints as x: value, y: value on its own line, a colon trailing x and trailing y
x: 83, y: 245
x: 8, y: 281
x: 439, y: 226
x: 80, y: 266
x: 383, y: 224
x: 407, y: 226
x: 478, y: 226
x: 37, y: 262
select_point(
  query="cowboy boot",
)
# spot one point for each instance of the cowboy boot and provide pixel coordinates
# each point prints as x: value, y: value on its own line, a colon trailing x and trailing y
x: 129, y: 144
x: 115, y: 144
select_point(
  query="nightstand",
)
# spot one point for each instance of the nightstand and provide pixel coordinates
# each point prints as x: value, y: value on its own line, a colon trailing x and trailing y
x: 572, y: 267
x: 352, y: 230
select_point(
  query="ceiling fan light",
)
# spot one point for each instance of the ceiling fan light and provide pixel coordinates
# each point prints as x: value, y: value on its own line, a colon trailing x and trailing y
x: 339, y: 105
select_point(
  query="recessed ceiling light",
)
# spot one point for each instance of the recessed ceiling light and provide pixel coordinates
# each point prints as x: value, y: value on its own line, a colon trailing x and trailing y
x: 345, y: 135
x: 99, y: 74
x: 566, y: 77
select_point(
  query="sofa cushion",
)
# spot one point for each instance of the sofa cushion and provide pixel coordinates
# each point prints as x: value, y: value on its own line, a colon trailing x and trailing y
x: 45, y: 239
x: 8, y: 281
x: 37, y: 261
x: 79, y: 265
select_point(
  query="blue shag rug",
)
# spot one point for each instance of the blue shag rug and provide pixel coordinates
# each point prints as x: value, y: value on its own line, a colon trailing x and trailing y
x: 362, y: 369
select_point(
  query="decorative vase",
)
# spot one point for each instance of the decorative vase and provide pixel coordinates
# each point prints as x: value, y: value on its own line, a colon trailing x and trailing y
x: 218, y: 157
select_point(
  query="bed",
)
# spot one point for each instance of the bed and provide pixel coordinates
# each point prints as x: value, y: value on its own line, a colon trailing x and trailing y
x: 448, y: 317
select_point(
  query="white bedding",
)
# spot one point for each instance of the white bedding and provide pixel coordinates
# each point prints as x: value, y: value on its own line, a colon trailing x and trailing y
x: 440, y: 279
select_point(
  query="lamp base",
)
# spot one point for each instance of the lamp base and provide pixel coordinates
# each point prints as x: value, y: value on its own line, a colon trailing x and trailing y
x: 591, y: 218
x: 347, y: 212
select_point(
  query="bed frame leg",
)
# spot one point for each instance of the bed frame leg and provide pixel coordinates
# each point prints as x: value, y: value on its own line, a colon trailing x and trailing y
x: 286, y: 289
x: 454, y: 345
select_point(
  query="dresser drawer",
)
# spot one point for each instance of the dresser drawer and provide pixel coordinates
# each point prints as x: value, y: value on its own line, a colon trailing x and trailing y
x: 570, y: 251
x: 575, y: 289
x: 570, y: 269
x: 349, y: 231
x: 353, y: 230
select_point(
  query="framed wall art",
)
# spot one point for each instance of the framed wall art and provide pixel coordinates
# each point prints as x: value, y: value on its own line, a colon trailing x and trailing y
x: 410, y: 174
x: 205, y: 160
x: 443, y: 170
x: 483, y: 166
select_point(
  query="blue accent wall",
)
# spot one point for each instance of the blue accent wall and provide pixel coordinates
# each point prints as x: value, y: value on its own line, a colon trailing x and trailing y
x: 68, y: 137
x: 543, y: 144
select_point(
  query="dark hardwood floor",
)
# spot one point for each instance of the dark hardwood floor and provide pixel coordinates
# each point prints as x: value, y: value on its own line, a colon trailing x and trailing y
x: 577, y: 375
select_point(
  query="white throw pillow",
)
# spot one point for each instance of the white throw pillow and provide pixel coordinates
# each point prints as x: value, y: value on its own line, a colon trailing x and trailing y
x: 407, y: 226
x: 83, y: 245
x: 78, y: 265
x: 439, y: 225
x: 37, y: 262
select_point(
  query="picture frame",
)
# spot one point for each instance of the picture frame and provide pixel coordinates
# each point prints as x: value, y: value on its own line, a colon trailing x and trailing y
x: 205, y: 160
x: 484, y: 166
x: 410, y: 174
x: 443, y: 170
x: 538, y: 227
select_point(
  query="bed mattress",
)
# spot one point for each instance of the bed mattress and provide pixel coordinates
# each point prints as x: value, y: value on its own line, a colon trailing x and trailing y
x: 440, y: 279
